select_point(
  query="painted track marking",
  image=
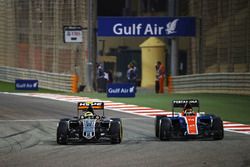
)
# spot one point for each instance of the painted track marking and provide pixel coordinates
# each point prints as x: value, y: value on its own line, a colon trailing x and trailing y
x: 132, y: 109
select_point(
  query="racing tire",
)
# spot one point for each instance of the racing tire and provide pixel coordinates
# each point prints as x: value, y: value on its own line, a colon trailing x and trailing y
x: 97, y: 131
x: 165, y: 128
x: 116, y: 119
x: 157, y: 120
x: 217, y: 127
x: 116, y: 132
x: 62, y: 132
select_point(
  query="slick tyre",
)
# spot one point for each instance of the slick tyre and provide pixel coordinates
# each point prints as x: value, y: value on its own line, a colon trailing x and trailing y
x: 157, y: 120
x: 116, y: 119
x: 218, y: 129
x: 116, y: 132
x: 165, y: 128
x: 62, y: 133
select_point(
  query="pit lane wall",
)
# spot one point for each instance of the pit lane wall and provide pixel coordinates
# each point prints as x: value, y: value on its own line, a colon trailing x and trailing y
x: 53, y: 81
x: 233, y: 83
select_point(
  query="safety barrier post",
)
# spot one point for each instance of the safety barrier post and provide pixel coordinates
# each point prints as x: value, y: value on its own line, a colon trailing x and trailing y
x: 74, y: 83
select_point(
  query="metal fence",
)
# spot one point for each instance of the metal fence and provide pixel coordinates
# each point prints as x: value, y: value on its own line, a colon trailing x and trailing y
x: 235, y: 83
x: 222, y: 43
x: 31, y: 36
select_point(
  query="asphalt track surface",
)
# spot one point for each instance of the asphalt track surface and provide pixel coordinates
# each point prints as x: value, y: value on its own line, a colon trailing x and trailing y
x: 28, y: 138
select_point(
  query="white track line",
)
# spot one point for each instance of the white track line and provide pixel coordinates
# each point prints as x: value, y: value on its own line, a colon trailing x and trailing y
x: 30, y: 120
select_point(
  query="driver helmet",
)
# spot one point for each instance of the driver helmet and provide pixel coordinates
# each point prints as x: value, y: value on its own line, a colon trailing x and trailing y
x: 90, y: 109
x: 88, y: 114
x: 188, y: 108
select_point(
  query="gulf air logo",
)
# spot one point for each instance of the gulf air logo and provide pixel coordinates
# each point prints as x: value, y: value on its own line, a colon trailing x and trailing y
x: 131, y: 90
x: 171, y: 27
x: 35, y: 84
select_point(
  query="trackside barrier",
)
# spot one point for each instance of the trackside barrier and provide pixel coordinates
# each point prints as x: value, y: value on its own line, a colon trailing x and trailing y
x: 53, y: 81
x: 74, y: 83
x: 235, y: 83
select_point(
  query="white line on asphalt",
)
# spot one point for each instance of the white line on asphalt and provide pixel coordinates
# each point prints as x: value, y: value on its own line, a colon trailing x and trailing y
x: 29, y: 120
x: 240, y: 132
x: 227, y: 124
x: 135, y: 118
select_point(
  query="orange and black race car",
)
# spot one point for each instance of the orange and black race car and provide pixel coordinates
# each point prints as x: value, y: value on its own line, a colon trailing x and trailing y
x: 89, y: 125
x: 188, y: 123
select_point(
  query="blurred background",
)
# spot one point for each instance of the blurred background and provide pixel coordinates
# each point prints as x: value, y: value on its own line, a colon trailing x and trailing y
x: 32, y: 46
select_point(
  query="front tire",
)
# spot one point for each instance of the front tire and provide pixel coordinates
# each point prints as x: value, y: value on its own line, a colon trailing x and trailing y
x: 165, y: 128
x: 116, y: 132
x: 62, y: 132
x: 157, y: 120
x: 217, y: 127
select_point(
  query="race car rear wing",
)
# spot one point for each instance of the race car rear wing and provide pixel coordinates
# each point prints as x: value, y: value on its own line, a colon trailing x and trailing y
x: 182, y: 103
x: 83, y: 106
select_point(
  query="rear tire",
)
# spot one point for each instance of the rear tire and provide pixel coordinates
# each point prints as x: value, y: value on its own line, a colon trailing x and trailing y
x: 217, y: 128
x: 157, y: 120
x: 165, y: 128
x: 116, y: 132
x: 62, y: 132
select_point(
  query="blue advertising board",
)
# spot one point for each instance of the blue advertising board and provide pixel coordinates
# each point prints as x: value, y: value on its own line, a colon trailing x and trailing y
x: 120, y: 90
x: 22, y: 84
x: 146, y: 26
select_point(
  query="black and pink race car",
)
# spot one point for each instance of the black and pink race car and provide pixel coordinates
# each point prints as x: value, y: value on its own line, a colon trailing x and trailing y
x: 88, y: 125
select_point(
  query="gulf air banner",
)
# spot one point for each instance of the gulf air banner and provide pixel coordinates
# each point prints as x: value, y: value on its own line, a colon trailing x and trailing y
x: 146, y: 26
x: 121, y: 90
x: 21, y: 84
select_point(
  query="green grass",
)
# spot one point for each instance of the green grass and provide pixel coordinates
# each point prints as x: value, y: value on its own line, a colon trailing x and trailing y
x: 229, y: 107
x: 10, y: 87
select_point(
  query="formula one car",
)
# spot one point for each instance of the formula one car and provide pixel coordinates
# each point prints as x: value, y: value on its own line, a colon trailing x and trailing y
x: 89, y: 126
x: 188, y: 123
